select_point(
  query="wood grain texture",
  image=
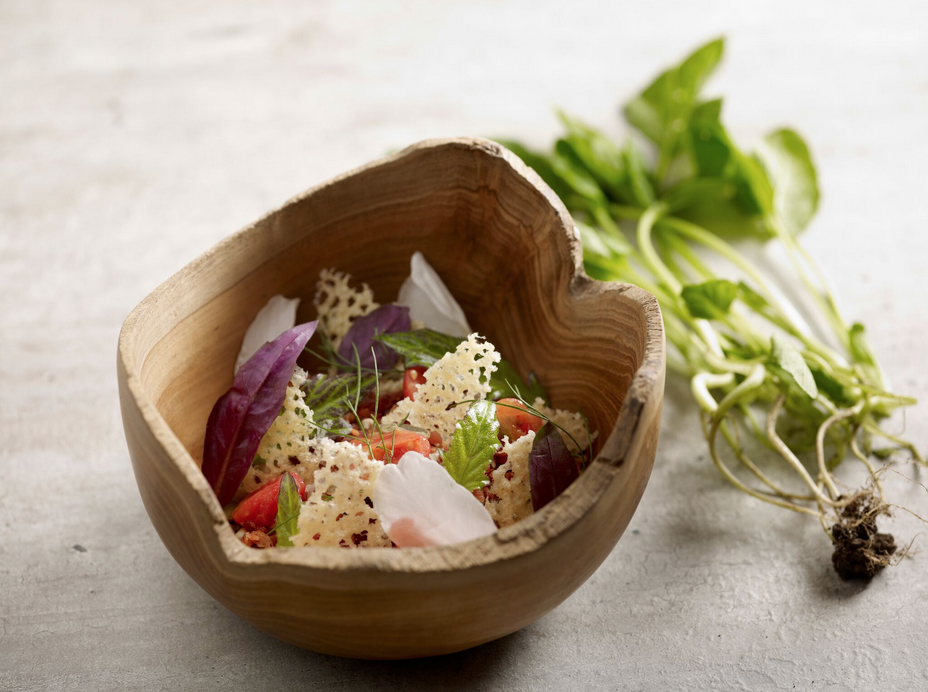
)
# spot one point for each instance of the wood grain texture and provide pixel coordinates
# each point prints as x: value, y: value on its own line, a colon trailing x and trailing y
x: 510, y: 254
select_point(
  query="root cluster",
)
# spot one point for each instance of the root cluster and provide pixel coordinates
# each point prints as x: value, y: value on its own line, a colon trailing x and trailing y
x: 861, y: 550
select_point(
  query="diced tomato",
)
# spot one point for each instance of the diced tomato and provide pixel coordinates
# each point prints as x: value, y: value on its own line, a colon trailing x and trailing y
x: 515, y: 422
x: 259, y: 507
x: 397, y: 442
x: 412, y: 379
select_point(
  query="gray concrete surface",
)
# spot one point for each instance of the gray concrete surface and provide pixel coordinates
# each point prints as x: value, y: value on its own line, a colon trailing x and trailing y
x: 133, y: 136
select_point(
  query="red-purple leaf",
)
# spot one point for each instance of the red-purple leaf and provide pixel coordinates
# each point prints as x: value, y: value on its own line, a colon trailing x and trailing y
x: 386, y: 319
x: 244, y: 413
x: 551, y: 466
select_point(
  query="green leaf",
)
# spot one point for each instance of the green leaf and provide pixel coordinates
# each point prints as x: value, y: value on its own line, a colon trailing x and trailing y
x: 420, y: 347
x: 752, y: 298
x: 662, y: 110
x: 754, y: 189
x: 788, y: 358
x: 288, y: 510
x: 789, y: 167
x: 598, y: 154
x: 568, y: 166
x: 832, y: 389
x: 638, y: 189
x: 710, y: 146
x: 472, y: 446
x: 710, y: 300
x: 328, y: 397
x: 860, y: 347
x: 499, y: 388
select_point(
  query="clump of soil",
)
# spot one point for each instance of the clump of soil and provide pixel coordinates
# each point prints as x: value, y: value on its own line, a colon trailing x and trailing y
x: 861, y: 551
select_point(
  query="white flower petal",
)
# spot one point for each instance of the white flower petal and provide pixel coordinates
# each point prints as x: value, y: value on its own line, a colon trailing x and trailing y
x: 429, y: 300
x: 272, y: 320
x: 420, y: 505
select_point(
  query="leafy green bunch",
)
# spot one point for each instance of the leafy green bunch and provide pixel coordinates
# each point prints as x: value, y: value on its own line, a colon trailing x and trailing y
x: 756, y: 369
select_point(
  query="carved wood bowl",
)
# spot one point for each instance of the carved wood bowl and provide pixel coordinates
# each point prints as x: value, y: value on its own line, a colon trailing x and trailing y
x: 510, y: 254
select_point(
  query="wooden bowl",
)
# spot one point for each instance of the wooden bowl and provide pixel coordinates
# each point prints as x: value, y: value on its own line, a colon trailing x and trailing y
x: 509, y: 252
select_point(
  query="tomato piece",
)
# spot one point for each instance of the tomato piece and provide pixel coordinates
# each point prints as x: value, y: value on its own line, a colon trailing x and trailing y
x: 413, y: 377
x: 259, y: 507
x: 397, y: 442
x: 515, y: 422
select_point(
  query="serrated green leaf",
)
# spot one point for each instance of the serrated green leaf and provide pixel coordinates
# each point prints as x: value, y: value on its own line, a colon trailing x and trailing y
x: 421, y: 346
x: 288, y: 511
x: 791, y: 171
x: 788, y: 358
x: 506, y: 375
x: 710, y: 300
x: 472, y: 446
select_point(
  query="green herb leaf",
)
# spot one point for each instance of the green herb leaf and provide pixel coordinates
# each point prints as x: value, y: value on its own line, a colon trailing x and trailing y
x: 789, y: 167
x: 710, y: 300
x: 420, y: 347
x: 860, y: 349
x: 639, y: 189
x: 832, y: 389
x: 788, y: 358
x: 288, y: 510
x: 662, y: 111
x: 598, y: 154
x: 506, y: 375
x: 571, y: 170
x: 472, y: 446
x: 710, y: 147
x: 328, y: 397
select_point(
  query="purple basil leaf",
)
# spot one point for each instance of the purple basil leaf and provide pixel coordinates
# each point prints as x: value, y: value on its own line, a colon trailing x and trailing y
x: 244, y: 413
x: 386, y: 319
x: 551, y: 466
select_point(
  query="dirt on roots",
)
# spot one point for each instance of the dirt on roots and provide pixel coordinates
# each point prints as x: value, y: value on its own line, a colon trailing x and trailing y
x: 861, y: 551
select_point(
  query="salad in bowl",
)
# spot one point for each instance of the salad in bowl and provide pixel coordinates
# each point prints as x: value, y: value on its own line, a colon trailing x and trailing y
x: 382, y: 425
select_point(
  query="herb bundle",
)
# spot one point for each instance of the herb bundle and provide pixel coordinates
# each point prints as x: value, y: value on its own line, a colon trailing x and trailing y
x: 810, y: 397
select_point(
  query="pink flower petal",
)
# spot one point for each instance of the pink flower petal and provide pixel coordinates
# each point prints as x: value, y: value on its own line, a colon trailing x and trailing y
x: 419, y: 505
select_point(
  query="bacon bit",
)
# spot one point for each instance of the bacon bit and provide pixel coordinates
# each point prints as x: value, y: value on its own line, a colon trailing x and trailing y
x: 359, y: 538
x: 293, y: 460
x: 509, y: 474
x: 322, y: 464
x: 259, y: 539
x: 435, y: 439
x: 499, y: 458
x: 343, y: 514
x: 312, y: 450
x: 359, y: 514
x: 317, y: 536
x: 365, y: 476
x: 492, y: 497
x: 371, y: 521
x: 342, y: 544
x: 334, y: 468
x: 480, y: 494
x: 351, y: 467
x: 369, y: 502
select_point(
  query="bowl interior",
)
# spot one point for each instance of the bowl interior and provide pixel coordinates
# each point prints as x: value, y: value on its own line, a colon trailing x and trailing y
x: 497, y: 240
